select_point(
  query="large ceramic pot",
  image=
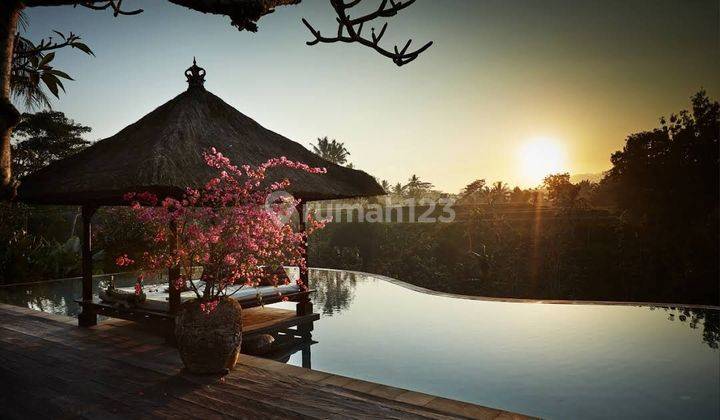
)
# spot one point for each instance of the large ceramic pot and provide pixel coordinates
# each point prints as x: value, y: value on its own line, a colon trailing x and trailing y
x: 209, y: 342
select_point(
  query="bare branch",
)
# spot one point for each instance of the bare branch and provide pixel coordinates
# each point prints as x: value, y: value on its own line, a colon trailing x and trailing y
x: 114, y: 4
x: 353, y: 28
x: 47, y: 44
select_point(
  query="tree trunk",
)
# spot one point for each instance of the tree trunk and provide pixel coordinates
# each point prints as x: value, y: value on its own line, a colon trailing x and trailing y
x: 9, y: 115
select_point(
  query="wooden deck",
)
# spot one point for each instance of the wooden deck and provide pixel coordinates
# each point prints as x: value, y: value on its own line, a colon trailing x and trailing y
x: 50, y: 368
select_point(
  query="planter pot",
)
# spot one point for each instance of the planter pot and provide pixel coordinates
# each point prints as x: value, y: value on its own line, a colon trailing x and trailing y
x: 209, y: 342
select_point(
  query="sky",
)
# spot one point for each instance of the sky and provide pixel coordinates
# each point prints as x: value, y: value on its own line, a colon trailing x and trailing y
x: 508, y: 84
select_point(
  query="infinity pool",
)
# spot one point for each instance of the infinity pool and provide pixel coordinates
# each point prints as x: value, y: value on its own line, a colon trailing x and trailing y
x: 547, y: 360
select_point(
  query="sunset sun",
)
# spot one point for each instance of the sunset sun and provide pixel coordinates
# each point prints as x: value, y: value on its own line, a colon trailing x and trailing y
x: 539, y: 157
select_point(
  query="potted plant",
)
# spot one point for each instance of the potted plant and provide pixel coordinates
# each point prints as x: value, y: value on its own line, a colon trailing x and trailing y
x: 233, y: 228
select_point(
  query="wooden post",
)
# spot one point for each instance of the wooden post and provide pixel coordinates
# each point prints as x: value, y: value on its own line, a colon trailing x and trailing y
x: 301, y: 226
x: 173, y: 275
x: 306, y: 356
x: 88, y: 317
x: 304, y: 305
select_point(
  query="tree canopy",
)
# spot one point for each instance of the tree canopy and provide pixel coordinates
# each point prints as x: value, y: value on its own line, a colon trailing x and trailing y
x: 45, y: 137
x: 671, y: 173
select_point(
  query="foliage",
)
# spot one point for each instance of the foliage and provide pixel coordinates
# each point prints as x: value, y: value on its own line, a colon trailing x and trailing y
x: 116, y: 230
x: 32, y: 71
x: 331, y: 150
x: 561, y: 192
x: 676, y: 163
x: 665, y: 183
x: 232, y: 227
x: 497, y: 193
x: 30, y: 257
x: 44, y: 137
x: 472, y: 193
x: 585, y: 256
x: 520, y: 196
x: 39, y: 243
x: 416, y: 188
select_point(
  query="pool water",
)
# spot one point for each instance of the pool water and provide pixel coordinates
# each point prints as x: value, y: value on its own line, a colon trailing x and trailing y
x: 547, y: 360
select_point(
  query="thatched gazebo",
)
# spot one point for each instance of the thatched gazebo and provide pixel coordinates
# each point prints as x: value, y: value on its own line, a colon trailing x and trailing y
x: 162, y: 153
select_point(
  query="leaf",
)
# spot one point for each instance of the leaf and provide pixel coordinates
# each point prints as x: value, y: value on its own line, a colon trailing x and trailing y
x: 51, y: 82
x: 34, y: 78
x: 61, y: 74
x: 59, y: 83
x: 59, y: 33
x: 46, y: 59
x: 82, y: 47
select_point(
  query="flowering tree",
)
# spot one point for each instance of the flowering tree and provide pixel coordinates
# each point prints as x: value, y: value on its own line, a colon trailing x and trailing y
x: 232, y: 228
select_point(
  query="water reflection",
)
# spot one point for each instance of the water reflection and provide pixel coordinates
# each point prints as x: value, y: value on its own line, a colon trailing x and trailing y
x: 58, y: 296
x: 693, y: 318
x: 334, y: 290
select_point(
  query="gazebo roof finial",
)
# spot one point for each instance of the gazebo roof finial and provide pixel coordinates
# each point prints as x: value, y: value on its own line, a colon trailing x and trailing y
x: 195, y: 75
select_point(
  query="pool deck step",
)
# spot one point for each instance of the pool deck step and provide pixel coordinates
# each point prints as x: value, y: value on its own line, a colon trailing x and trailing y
x: 51, y: 368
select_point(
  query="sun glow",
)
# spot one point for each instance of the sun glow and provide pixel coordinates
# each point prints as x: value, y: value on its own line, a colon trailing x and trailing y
x: 540, y: 157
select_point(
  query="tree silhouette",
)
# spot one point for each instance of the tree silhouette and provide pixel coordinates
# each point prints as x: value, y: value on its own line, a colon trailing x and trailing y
x: 43, y: 138
x: 498, y: 192
x: 473, y: 192
x: 519, y: 195
x: 416, y: 188
x: 561, y: 192
x: 331, y: 150
x: 670, y: 174
x: 665, y: 183
x: 243, y: 14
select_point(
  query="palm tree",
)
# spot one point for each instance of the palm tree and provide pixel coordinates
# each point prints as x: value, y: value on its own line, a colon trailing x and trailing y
x: 385, y: 186
x: 498, y: 192
x: 398, y: 189
x: 331, y: 150
x: 416, y: 188
x: 472, y: 192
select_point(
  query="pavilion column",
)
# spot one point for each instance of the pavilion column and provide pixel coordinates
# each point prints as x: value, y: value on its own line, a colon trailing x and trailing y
x: 174, y: 274
x: 304, y: 305
x: 300, y: 208
x: 87, y: 317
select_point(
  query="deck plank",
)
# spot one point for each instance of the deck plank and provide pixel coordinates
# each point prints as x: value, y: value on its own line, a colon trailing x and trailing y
x: 49, y: 368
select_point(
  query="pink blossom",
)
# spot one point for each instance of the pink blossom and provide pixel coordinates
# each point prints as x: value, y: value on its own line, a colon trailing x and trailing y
x: 224, y: 227
x: 124, y: 261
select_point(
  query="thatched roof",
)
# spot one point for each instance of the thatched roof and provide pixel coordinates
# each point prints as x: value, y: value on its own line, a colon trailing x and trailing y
x: 162, y: 153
